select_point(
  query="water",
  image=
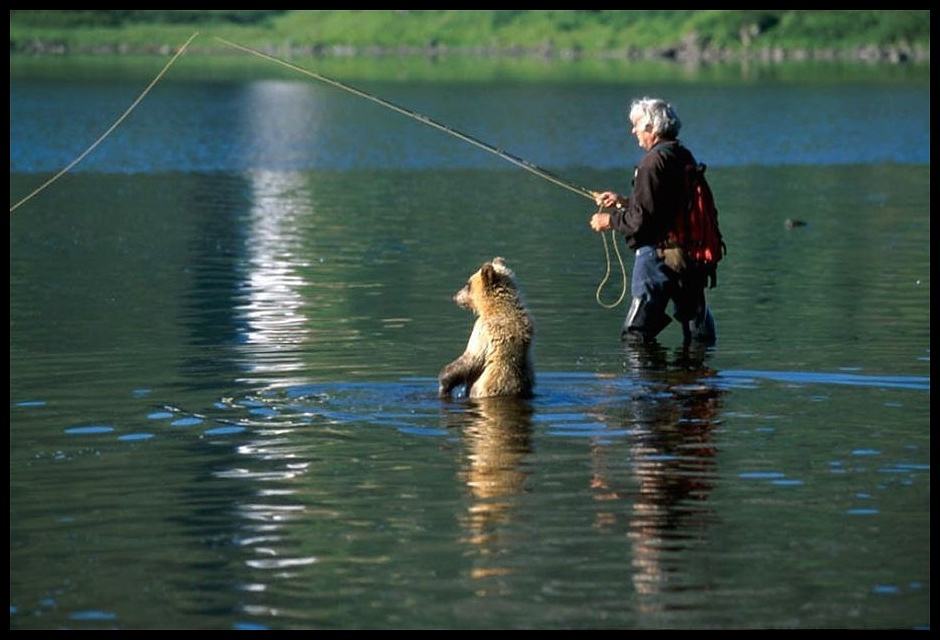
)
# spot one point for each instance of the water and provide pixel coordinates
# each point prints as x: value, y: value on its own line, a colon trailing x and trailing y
x: 226, y: 326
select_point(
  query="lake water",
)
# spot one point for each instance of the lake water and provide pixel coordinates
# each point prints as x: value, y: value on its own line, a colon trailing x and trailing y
x: 227, y: 322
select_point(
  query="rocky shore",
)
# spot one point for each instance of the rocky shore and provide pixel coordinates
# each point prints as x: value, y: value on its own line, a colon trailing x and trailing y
x: 689, y: 51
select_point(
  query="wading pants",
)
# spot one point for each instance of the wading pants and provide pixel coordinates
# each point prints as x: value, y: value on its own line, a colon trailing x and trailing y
x: 653, y: 286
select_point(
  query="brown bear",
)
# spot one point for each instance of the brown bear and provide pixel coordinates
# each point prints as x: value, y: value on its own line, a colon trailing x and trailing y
x: 497, y: 361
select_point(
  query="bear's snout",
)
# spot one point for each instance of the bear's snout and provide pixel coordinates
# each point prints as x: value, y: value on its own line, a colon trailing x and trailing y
x: 462, y: 298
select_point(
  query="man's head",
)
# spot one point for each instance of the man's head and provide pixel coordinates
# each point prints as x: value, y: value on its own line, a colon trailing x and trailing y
x: 653, y: 120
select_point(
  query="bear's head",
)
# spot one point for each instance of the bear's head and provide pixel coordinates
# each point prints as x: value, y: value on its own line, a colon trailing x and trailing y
x: 493, y: 282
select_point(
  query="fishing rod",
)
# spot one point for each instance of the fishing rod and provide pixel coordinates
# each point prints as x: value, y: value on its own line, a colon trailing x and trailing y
x: 524, y: 164
x: 505, y: 155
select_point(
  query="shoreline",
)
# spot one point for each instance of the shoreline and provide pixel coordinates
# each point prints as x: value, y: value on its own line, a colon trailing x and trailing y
x: 685, y: 53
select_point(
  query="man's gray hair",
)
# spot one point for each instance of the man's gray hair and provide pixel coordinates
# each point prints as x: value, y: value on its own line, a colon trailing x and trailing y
x: 658, y: 113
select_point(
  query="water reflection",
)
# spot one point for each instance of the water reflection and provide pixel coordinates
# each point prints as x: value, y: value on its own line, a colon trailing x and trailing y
x: 652, y: 487
x: 270, y: 463
x: 269, y: 310
x: 661, y: 500
x: 497, y: 439
x: 271, y: 301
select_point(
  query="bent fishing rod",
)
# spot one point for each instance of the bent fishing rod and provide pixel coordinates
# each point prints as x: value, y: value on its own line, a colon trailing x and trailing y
x: 505, y: 155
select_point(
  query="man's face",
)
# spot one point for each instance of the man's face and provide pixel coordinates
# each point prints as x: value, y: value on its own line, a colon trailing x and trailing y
x: 641, y: 129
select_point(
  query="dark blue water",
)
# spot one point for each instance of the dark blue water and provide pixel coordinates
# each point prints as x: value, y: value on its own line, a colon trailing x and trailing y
x: 282, y: 125
x: 226, y: 326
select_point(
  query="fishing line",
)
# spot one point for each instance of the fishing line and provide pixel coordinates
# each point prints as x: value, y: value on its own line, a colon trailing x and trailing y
x: 524, y: 164
x: 623, y: 272
x: 110, y: 129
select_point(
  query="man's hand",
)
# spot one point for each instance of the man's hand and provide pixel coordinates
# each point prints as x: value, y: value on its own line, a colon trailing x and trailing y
x: 600, y: 221
x: 606, y: 198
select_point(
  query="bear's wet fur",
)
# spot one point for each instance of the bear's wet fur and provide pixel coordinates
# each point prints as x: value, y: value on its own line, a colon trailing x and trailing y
x: 497, y: 360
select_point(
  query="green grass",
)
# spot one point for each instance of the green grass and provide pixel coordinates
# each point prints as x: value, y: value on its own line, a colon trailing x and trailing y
x: 591, y: 32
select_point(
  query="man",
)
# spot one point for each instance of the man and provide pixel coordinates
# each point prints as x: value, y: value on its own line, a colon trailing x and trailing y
x: 645, y: 219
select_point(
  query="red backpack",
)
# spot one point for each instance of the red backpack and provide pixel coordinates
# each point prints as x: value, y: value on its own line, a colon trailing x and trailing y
x: 696, y: 229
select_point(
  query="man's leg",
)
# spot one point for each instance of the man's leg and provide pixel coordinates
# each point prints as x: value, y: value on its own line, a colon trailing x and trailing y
x: 691, y: 309
x: 651, y: 288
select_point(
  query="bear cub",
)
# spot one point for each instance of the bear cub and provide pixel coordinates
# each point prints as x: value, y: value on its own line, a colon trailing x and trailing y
x: 497, y: 361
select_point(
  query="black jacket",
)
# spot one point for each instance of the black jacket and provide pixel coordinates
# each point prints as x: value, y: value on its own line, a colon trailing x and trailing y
x: 659, y: 193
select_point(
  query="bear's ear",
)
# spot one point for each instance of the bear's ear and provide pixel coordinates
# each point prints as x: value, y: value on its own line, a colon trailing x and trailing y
x: 488, y: 274
x: 499, y: 264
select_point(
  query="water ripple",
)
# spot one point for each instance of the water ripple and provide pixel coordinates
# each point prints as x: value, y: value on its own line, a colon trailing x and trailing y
x: 280, y: 563
x: 744, y: 377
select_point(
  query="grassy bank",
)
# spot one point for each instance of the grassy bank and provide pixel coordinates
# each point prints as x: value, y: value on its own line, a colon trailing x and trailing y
x: 714, y: 35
